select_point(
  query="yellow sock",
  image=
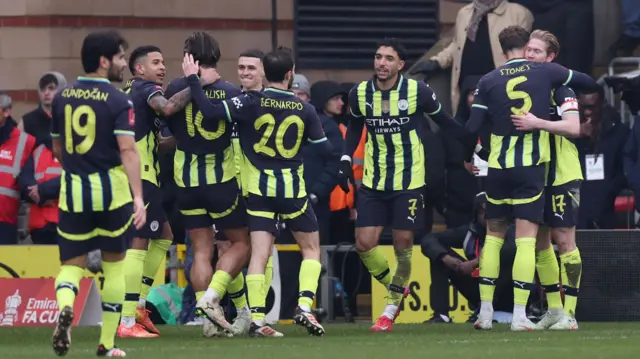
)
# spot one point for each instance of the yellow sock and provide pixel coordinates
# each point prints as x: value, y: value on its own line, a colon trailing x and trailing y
x: 257, y: 298
x: 309, y: 275
x: 67, y: 285
x: 133, y: 263
x: 112, y: 298
x: 489, y: 267
x: 156, y: 252
x: 549, y: 273
x: 268, y: 275
x: 236, y: 292
x: 400, y: 277
x: 199, y: 295
x: 377, y: 265
x: 571, y: 276
x: 524, y: 268
x: 220, y: 282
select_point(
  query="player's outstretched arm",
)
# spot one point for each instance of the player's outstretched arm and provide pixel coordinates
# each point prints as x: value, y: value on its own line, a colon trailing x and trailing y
x: 177, y: 102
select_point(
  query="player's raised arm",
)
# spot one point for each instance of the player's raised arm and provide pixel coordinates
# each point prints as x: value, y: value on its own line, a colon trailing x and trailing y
x: 124, y: 130
x: 315, y: 134
x: 177, y: 102
x: 562, y: 76
x: 569, y: 126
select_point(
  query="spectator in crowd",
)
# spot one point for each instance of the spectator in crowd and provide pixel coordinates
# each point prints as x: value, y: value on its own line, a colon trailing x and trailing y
x: 447, y: 265
x: 475, y: 49
x: 15, y: 149
x: 321, y: 172
x: 461, y: 186
x: 37, y: 123
x: 632, y: 162
x: 601, y: 146
x: 630, y: 37
x: 301, y: 88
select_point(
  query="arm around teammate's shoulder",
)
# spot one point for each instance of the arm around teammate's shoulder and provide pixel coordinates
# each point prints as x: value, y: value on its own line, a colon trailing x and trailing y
x: 315, y: 133
x: 562, y: 76
x: 429, y: 104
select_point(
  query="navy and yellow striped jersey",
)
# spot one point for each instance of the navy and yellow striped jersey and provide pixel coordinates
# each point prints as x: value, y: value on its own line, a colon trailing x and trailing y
x: 517, y: 87
x: 394, y: 154
x: 86, y: 118
x: 564, y: 163
x: 273, y: 125
x: 204, y: 154
x: 147, y: 123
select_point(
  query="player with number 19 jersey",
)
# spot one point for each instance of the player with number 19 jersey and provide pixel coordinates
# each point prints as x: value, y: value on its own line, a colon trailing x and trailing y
x: 204, y: 159
x: 96, y: 210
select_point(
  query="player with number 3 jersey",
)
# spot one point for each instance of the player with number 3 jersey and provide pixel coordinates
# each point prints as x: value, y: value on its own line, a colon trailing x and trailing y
x: 273, y: 125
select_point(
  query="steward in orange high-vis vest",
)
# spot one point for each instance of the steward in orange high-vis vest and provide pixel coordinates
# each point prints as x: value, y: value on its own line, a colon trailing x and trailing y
x: 43, y: 189
x: 15, y: 148
x: 339, y: 199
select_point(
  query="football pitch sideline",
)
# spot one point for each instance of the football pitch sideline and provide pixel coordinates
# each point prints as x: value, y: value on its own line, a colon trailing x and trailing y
x: 349, y: 341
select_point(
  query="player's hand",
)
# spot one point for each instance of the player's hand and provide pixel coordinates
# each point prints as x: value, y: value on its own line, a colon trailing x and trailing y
x: 139, y: 212
x: 471, y: 168
x: 209, y: 75
x: 466, y: 268
x: 586, y: 128
x: 189, y: 67
x: 34, y: 194
x: 526, y: 122
x: 345, y: 175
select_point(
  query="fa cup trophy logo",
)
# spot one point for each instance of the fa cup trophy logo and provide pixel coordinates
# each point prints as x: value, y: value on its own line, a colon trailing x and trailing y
x: 10, y: 310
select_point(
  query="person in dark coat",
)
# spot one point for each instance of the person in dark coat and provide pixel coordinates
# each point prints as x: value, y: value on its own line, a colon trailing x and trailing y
x: 37, y: 123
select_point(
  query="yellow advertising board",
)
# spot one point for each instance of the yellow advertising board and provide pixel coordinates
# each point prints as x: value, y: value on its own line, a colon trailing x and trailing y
x: 416, y: 308
x: 22, y: 261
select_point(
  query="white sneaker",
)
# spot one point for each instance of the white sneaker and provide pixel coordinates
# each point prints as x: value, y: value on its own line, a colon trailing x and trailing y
x: 484, y: 321
x: 241, y: 323
x: 213, y: 311
x: 549, y: 319
x: 567, y: 322
x: 521, y: 324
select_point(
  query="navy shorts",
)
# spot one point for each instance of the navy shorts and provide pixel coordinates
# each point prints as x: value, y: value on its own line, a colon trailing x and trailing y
x: 81, y: 233
x: 156, y: 217
x: 265, y: 214
x: 562, y: 204
x: 516, y: 193
x: 402, y: 210
x: 216, y: 204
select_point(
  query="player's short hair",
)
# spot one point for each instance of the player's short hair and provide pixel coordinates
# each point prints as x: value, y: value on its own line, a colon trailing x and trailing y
x: 277, y: 64
x: 513, y: 38
x: 139, y: 53
x: 255, y: 53
x: 553, y: 45
x: 395, y: 44
x: 105, y: 43
x: 204, y: 48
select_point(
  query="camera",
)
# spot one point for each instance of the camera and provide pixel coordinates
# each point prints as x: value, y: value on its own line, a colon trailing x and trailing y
x: 629, y: 85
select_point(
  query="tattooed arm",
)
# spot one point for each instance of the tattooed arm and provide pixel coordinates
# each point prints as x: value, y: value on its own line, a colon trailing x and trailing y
x: 176, y: 103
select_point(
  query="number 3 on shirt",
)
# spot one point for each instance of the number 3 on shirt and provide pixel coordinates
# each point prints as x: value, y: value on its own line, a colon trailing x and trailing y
x: 513, y: 94
x: 73, y: 124
x: 268, y: 121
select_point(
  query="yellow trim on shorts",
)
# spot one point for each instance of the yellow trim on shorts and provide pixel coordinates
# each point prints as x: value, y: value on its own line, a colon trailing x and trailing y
x: 98, y: 232
x: 193, y: 212
x: 295, y: 214
x: 573, y: 197
x: 227, y: 212
x: 514, y: 201
x: 263, y: 214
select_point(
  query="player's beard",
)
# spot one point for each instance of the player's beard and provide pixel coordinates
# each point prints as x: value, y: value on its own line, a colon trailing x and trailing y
x: 114, y: 75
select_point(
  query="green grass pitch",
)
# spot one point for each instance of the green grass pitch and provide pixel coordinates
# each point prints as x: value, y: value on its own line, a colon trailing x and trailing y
x: 352, y: 341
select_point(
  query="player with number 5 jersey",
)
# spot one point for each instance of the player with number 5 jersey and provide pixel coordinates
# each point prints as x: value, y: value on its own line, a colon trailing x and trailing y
x: 93, y: 136
x: 273, y: 125
x: 517, y: 164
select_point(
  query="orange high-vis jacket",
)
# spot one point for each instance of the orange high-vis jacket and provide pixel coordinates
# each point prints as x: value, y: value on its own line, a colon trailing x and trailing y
x: 340, y: 200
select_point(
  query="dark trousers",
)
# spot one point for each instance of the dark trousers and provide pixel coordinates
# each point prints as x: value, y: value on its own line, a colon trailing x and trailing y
x: 47, y: 235
x: 8, y: 233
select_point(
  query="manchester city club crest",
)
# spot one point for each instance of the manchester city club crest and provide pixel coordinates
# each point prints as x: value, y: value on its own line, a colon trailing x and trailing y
x: 403, y: 105
x: 385, y: 106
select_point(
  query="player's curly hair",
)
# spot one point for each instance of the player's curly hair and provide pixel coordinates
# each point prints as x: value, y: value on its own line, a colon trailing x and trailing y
x: 204, y: 48
x: 513, y: 38
x: 553, y: 45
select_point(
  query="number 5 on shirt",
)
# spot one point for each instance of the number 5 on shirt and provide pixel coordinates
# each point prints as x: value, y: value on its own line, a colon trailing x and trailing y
x: 269, y: 122
x: 73, y: 124
x: 514, y: 94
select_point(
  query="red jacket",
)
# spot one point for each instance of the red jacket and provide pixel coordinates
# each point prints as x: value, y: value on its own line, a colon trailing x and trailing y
x: 14, y: 153
x: 46, y: 167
